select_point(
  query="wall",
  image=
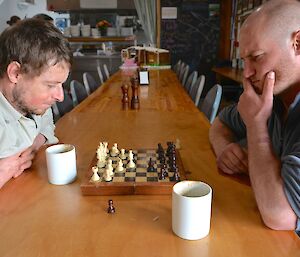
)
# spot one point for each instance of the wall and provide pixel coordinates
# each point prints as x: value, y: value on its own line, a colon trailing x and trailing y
x: 10, y: 7
x: 194, y: 36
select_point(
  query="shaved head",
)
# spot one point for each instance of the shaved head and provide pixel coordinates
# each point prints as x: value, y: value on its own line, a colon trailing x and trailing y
x: 270, y: 41
x: 278, y: 19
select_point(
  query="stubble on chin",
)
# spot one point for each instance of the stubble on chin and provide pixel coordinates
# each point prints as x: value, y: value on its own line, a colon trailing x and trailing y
x: 20, y: 104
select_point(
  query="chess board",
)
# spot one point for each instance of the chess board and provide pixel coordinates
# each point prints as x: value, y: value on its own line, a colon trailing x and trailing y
x: 133, y: 181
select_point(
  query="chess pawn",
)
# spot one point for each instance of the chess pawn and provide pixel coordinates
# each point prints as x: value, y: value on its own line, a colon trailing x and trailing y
x: 114, y: 150
x: 107, y: 176
x: 122, y: 154
x: 120, y: 167
x: 125, y: 99
x: 176, y: 176
x: 101, y: 163
x: 109, y: 167
x: 111, y: 208
x: 163, y: 172
x: 105, y: 144
x: 95, y: 176
x: 131, y: 163
x: 151, y: 166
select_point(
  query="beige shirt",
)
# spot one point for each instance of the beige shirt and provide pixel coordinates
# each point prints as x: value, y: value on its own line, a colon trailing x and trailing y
x: 18, y: 132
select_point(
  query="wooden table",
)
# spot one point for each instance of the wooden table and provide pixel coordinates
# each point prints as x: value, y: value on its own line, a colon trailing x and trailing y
x: 39, y: 219
x: 231, y: 73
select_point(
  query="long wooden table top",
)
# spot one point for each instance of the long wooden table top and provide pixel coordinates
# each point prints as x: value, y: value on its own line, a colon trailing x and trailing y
x: 229, y: 72
x: 40, y: 219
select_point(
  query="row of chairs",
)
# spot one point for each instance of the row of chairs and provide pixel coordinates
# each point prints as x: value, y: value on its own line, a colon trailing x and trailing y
x: 194, y: 87
x: 78, y: 92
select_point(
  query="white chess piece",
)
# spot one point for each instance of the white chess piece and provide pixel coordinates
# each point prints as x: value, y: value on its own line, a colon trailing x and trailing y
x: 101, y: 155
x: 107, y: 176
x: 131, y: 163
x: 122, y: 154
x: 120, y: 167
x: 105, y: 144
x: 114, y: 150
x: 109, y: 167
x: 95, y: 176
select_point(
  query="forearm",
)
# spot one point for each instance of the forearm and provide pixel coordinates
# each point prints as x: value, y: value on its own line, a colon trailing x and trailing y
x: 267, y: 184
x: 220, y: 136
x: 38, y: 142
x: 5, y: 174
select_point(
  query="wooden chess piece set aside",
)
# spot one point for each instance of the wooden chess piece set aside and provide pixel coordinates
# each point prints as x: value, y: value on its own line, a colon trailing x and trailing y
x: 135, y: 102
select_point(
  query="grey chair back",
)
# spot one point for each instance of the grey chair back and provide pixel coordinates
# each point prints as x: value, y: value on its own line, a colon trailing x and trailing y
x: 191, y: 80
x: 100, y: 74
x: 55, y: 112
x: 89, y: 82
x: 78, y: 92
x: 197, y: 89
x: 106, y: 72
x: 176, y: 67
x: 180, y: 70
x: 59, y: 109
x: 185, y: 74
x: 66, y: 105
x: 211, y: 102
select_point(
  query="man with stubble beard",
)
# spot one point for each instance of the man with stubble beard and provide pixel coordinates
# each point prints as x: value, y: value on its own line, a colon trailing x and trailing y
x: 267, y: 116
x: 35, y: 60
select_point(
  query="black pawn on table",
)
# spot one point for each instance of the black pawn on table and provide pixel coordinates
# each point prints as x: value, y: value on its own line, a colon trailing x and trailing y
x: 111, y: 208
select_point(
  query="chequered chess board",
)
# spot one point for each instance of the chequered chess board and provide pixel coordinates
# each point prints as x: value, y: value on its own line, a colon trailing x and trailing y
x: 134, y: 181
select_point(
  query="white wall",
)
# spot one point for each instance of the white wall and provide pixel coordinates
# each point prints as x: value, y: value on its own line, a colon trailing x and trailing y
x: 9, y: 8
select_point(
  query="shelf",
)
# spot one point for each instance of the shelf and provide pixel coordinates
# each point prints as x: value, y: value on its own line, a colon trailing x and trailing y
x: 100, y: 39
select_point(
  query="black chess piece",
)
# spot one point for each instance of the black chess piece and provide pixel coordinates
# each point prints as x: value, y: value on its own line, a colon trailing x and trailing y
x: 170, y: 147
x: 176, y: 176
x: 163, y: 172
x: 151, y: 167
x: 111, y: 208
x: 160, y: 148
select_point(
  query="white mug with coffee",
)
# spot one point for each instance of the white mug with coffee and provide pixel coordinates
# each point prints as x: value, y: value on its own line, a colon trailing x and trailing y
x: 191, y: 209
x: 61, y: 163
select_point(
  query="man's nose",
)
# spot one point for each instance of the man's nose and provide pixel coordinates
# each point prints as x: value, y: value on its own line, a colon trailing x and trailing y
x: 248, y: 69
x: 59, y: 94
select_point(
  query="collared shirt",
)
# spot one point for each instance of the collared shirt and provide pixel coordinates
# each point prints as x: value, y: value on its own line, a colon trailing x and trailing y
x: 285, y: 139
x: 17, y: 132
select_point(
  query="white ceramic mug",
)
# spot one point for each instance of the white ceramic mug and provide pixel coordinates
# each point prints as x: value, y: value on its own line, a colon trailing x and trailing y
x: 191, y: 209
x: 61, y: 163
x: 75, y: 30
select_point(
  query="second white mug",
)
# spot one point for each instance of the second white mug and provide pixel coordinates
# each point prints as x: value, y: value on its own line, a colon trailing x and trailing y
x: 191, y: 209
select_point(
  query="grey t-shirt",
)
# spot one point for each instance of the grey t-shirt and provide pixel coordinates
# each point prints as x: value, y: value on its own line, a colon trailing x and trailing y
x: 286, y: 144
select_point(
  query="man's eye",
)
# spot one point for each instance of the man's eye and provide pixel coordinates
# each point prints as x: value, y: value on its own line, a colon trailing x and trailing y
x: 257, y: 57
x: 51, y: 86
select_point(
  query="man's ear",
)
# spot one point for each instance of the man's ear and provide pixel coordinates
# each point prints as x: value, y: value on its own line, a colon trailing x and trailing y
x: 13, y: 71
x: 296, y: 42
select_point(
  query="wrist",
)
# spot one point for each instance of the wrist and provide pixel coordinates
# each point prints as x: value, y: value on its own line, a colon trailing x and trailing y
x: 259, y: 133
